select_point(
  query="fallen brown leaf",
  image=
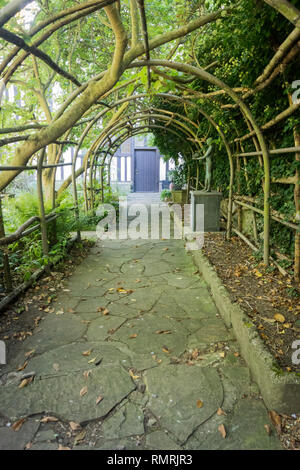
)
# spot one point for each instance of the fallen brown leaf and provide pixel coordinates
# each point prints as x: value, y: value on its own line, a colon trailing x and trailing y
x: 83, y: 391
x: 199, y: 404
x: 135, y: 377
x: 74, y: 426
x: 276, y: 420
x: 99, y: 399
x: 87, y: 353
x: 220, y: 412
x: 26, y: 382
x: 86, y: 374
x: 49, y: 419
x: 23, y: 366
x: 18, y: 424
x: 268, y: 429
x: 195, y: 353
x: 222, y: 430
x: 29, y: 353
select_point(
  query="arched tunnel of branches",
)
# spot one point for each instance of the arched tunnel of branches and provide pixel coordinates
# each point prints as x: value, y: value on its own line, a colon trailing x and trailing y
x: 88, y: 75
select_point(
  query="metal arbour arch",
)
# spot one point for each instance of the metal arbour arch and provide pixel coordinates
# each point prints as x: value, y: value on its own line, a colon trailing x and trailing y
x: 122, y: 138
x: 117, y: 143
x: 103, y: 112
x: 217, y: 127
x: 124, y: 124
x: 245, y: 111
x: 89, y: 127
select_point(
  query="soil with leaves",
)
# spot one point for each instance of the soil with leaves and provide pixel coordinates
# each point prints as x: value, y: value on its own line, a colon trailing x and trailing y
x: 271, y: 300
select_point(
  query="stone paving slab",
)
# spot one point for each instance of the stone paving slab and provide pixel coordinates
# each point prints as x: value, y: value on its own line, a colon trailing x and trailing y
x: 11, y: 440
x: 174, y: 393
x: 60, y: 394
x: 161, y: 359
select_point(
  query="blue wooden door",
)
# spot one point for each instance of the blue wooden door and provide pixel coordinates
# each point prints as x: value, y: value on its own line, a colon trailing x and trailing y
x: 146, y: 171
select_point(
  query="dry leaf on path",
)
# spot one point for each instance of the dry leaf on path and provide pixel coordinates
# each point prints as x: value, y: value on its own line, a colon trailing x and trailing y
x: 86, y: 373
x: 18, y: 424
x: 29, y: 353
x: 74, y: 426
x: 99, y: 399
x: 23, y: 366
x: 195, y: 353
x: 49, y: 419
x: 83, y: 391
x: 26, y: 382
x: 60, y: 447
x: 268, y: 429
x: 199, y: 403
x: 133, y: 336
x: 222, y: 430
x: 135, y: 377
x: 276, y: 420
x: 87, y: 353
x: 220, y: 412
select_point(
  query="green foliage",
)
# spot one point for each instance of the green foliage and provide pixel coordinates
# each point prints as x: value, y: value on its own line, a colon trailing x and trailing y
x: 241, y: 45
x: 178, y: 177
x: 166, y: 194
x: 19, y: 209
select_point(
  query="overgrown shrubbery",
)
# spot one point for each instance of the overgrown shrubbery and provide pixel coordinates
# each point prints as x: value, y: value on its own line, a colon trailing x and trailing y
x: 240, y: 46
x: 26, y: 255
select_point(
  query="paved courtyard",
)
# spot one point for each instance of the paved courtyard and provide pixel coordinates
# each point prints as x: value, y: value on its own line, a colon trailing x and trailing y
x: 137, y: 354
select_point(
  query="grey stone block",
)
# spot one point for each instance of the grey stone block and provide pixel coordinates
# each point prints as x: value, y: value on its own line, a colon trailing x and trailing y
x: 211, y: 202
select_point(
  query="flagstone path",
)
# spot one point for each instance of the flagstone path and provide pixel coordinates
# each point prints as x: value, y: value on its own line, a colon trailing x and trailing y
x: 137, y: 354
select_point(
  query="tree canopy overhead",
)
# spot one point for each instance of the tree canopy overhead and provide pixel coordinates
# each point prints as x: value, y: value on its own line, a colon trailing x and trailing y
x: 88, y: 74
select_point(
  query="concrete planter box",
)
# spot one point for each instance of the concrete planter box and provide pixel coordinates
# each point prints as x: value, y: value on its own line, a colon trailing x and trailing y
x: 179, y: 196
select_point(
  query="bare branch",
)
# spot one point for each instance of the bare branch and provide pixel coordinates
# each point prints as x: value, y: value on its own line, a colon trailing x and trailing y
x: 17, y: 41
